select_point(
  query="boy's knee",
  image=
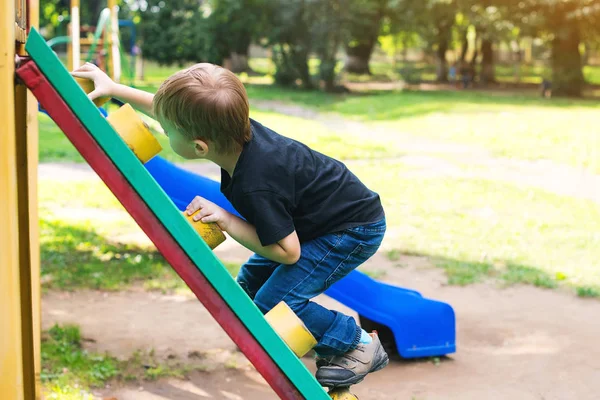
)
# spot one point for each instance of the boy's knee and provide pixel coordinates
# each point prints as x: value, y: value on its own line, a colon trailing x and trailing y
x: 265, y: 302
x: 243, y: 280
x: 244, y: 285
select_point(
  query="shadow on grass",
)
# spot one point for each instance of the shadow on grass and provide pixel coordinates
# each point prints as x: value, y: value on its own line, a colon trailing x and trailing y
x: 77, y: 257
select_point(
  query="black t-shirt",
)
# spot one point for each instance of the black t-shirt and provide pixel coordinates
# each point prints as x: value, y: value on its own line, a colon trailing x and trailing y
x: 279, y: 185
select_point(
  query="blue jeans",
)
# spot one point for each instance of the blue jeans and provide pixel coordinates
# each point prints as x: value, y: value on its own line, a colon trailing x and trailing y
x: 323, y: 262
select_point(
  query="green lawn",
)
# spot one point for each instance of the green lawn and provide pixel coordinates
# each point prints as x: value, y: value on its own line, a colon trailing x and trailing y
x: 523, y: 127
x: 474, y: 228
x: 477, y: 228
x: 70, y: 371
x: 54, y: 146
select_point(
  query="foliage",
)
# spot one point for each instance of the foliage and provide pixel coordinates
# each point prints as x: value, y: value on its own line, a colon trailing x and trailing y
x: 64, y: 359
x: 174, y: 32
x: 290, y: 41
x: 366, y: 17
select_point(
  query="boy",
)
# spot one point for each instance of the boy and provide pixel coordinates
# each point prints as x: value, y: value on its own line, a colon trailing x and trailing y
x: 308, y: 219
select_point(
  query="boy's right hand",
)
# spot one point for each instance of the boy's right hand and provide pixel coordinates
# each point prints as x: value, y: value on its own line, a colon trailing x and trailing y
x: 103, y: 85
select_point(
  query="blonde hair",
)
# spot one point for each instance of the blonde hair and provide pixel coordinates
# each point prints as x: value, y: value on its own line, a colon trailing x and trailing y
x: 206, y: 102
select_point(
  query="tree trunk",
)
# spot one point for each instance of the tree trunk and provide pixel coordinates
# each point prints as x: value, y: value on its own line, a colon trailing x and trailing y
x: 238, y: 63
x: 464, y: 46
x: 358, y: 58
x: 517, y: 58
x: 567, y: 75
x: 475, y: 50
x: 442, y: 63
x: 487, y: 74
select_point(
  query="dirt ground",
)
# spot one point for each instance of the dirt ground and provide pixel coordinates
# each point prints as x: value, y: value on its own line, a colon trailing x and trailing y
x: 512, y: 343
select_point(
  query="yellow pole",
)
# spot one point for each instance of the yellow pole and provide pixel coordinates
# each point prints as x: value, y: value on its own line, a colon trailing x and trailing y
x: 19, y: 245
x: 113, y: 41
x: 69, y: 49
x: 75, y: 31
x: 12, y: 371
x: 33, y: 247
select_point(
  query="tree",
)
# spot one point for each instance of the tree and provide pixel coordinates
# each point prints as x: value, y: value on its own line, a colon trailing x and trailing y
x: 238, y: 23
x: 565, y: 23
x: 366, y: 17
x: 290, y: 41
x: 329, y: 30
x: 174, y: 32
x: 305, y: 27
x: 491, y: 25
x: 439, y: 31
x: 433, y: 20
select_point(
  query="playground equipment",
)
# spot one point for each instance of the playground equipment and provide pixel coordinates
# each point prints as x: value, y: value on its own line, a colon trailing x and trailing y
x: 299, y: 339
x: 110, y: 20
x: 135, y: 133
x: 19, y: 244
x: 142, y: 197
x: 291, y: 329
x: 106, y: 36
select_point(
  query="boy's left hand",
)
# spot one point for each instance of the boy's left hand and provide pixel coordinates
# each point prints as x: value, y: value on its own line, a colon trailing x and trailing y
x: 209, y: 212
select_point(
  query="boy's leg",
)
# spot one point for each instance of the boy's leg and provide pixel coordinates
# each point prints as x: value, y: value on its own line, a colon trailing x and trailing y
x: 323, y: 261
x: 254, y: 273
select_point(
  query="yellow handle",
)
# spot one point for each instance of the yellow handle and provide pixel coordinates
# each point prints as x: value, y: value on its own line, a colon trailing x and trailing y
x: 291, y: 329
x: 134, y: 132
x: 211, y: 233
x: 88, y: 86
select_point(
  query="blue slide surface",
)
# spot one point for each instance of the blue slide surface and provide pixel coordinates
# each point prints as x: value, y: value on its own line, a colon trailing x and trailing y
x: 420, y: 327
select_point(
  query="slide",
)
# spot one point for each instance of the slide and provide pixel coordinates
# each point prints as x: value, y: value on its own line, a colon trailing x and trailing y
x: 408, y: 323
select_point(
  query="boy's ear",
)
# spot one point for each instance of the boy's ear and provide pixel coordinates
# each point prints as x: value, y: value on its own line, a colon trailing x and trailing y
x: 200, y: 148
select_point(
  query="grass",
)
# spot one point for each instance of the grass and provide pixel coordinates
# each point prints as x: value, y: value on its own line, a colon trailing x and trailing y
x: 80, y: 226
x: 69, y: 371
x: 473, y: 228
x: 524, y: 127
x: 75, y: 256
x: 586, y: 291
x: 476, y: 228
x: 54, y: 146
x: 565, y: 134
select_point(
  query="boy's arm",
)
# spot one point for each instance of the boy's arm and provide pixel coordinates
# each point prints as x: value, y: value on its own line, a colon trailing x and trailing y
x: 104, y: 86
x: 286, y: 251
x: 138, y: 99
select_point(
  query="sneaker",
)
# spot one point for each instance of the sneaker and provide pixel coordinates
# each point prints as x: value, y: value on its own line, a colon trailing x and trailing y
x: 352, y: 367
x: 323, y: 361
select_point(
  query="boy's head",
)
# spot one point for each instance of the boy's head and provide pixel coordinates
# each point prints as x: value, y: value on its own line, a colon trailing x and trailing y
x: 203, y: 107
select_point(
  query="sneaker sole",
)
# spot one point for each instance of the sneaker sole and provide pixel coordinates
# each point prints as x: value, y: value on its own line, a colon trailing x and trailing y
x: 356, y: 379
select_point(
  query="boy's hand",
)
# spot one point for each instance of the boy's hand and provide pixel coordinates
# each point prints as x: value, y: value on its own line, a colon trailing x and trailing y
x: 104, y: 86
x: 209, y: 212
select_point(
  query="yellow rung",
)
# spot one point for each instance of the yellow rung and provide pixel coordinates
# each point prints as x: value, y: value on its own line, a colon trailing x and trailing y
x: 88, y: 86
x: 212, y: 235
x: 341, y: 394
x: 135, y: 133
x: 291, y: 329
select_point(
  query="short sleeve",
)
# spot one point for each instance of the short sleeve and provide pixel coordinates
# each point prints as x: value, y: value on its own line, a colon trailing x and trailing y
x: 270, y: 213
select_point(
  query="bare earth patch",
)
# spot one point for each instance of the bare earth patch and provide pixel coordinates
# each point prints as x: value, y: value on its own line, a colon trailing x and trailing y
x: 515, y: 343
